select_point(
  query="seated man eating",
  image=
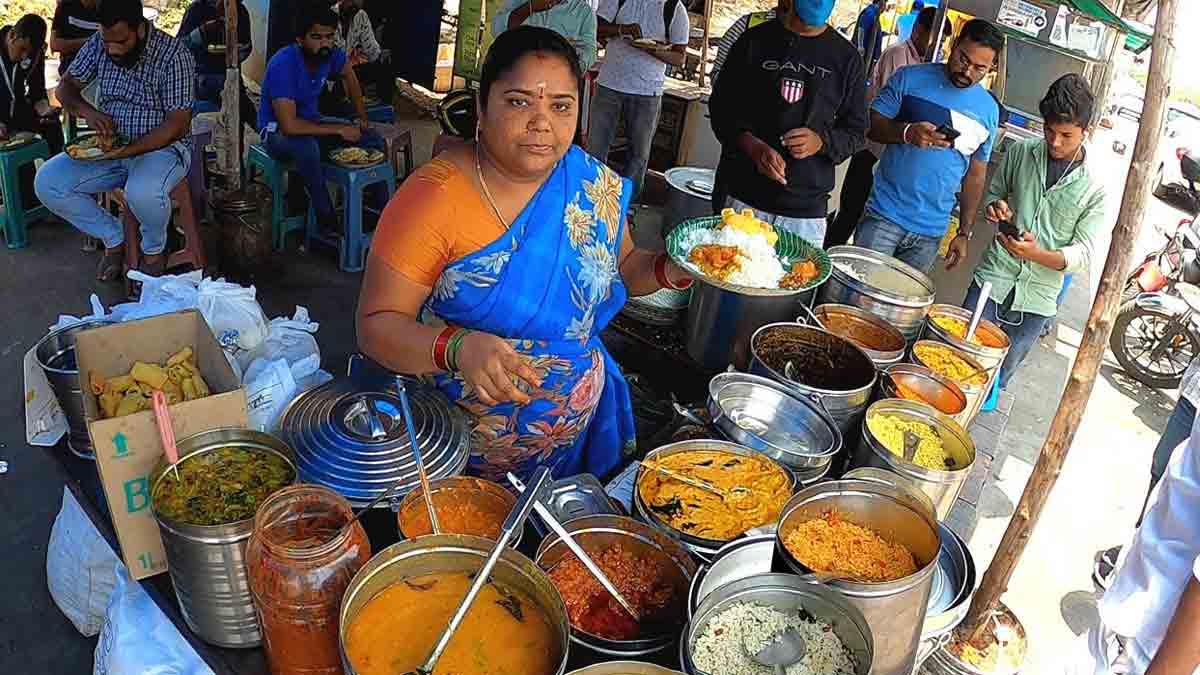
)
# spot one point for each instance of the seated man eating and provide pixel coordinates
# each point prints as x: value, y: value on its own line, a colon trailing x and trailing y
x: 143, y: 116
x: 24, y: 105
x: 203, y: 31
x: 291, y: 125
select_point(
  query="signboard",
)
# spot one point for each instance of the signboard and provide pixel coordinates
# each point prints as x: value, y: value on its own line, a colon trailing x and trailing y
x: 474, y: 35
x: 1022, y: 16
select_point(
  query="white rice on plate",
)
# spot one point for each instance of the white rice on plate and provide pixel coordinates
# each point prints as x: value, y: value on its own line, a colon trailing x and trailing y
x: 725, y: 646
x: 761, y: 267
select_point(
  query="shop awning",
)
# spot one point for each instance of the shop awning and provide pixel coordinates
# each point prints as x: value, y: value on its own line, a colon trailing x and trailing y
x: 1098, y: 11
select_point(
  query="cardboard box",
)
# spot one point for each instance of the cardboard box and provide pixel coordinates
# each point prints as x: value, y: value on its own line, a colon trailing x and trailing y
x: 128, y: 448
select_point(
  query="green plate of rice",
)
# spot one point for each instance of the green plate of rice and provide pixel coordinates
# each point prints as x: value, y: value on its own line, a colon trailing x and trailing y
x: 790, y: 248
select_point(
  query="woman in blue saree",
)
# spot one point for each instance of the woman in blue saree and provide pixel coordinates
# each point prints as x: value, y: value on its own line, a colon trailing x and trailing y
x: 495, y: 267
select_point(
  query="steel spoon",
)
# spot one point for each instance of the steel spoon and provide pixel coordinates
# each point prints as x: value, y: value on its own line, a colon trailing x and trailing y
x: 584, y: 558
x: 785, y: 649
x: 977, y: 315
x: 406, y: 410
x: 911, y: 441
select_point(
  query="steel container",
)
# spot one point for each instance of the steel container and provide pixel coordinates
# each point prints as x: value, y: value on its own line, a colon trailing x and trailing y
x: 462, y: 488
x: 975, y: 394
x: 689, y: 196
x: 895, y: 610
x: 942, y: 662
x: 787, y: 593
x: 988, y: 357
x: 940, y: 485
x: 721, y: 320
x: 764, y: 415
x: 888, y: 351
x: 596, y: 533
x: 938, y: 391
x: 953, y: 586
x: 56, y: 355
x: 855, y: 369
x: 892, y: 290
x: 451, y: 553
x: 697, y: 546
x: 208, y: 562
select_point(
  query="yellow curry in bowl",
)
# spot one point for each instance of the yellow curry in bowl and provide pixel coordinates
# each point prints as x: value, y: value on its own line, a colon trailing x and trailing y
x: 753, y: 491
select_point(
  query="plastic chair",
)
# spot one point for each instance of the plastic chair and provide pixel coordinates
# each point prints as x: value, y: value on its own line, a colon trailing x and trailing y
x: 273, y: 171
x: 398, y: 142
x: 192, y: 252
x: 353, y: 244
x: 16, y: 216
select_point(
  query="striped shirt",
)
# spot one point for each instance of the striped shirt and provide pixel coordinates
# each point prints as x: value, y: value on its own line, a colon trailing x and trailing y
x: 139, y: 98
x: 360, y: 37
x: 743, y: 24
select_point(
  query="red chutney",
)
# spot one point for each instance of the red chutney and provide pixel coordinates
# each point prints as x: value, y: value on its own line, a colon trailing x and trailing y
x: 640, y: 580
x: 300, y: 559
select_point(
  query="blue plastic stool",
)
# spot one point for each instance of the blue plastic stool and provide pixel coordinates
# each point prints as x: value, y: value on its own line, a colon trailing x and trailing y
x: 15, y: 214
x: 353, y: 244
x: 381, y: 112
x: 273, y: 171
x: 993, y: 397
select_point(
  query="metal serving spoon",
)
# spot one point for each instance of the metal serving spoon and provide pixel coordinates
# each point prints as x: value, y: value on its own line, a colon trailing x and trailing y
x: 785, y: 649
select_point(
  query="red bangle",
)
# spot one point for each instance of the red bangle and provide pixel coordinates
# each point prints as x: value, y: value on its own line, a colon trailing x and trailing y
x: 439, y: 347
x: 660, y: 274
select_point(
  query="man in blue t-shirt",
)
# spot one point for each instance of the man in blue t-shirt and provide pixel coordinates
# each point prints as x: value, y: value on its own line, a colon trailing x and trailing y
x: 292, y: 128
x: 868, y: 33
x: 938, y: 124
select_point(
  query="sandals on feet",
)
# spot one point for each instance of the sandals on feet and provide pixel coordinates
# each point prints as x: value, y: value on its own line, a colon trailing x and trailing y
x: 112, y: 264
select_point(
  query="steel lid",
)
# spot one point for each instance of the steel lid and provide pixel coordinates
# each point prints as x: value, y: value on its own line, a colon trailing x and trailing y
x: 692, y: 180
x: 882, y: 276
x: 953, y: 584
x: 349, y: 435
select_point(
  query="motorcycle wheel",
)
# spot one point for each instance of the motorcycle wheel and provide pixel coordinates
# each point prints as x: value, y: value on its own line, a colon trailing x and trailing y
x: 1136, y: 332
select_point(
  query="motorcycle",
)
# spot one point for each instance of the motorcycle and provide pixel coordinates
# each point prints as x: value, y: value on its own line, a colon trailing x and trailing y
x: 1176, y: 260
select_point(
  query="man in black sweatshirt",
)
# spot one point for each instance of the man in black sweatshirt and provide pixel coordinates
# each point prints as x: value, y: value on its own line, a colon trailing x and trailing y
x: 788, y: 107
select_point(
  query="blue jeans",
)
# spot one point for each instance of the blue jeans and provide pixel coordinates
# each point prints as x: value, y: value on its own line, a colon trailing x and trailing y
x: 307, y: 152
x: 641, y: 119
x: 68, y: 187
x: 884, y: 236
x: 1022, y: 328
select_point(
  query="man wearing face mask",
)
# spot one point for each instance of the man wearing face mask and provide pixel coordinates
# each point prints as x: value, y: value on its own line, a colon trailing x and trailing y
x: 938, y: 125
x: 143, y: 115
x: 788, y: 107
x: 289, y: 120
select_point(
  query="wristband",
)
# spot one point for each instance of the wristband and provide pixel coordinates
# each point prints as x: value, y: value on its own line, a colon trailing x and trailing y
x: 440, y: 344
x: 660, y: 274
x: 904, y: 135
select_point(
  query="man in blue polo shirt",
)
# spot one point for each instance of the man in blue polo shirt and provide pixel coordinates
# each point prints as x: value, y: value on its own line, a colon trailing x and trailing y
x: 938, y: 124
x: 292, y: 128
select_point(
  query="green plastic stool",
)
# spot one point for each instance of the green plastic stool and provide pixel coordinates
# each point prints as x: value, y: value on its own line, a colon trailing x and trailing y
x: 15, y: 215
x: 273, y: 171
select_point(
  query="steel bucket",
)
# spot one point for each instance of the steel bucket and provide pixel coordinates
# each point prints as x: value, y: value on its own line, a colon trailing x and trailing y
x: 208, y: 562
x: 895, y: 610
x: 891, y: 290
x: 986, y: 356
x: 720, y: 321
x: 846, y: 406
x: 835, y: 317
x: 974, y: 393
x: 451, y: 553
x: 941, y: 486
x: 56, y: 355
x: 941, y: 393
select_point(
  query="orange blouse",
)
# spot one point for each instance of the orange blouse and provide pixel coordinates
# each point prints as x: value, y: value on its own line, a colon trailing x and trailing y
x: 436, y: 217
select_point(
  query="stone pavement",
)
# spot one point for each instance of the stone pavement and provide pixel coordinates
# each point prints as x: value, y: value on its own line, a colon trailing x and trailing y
x: 986, y: 430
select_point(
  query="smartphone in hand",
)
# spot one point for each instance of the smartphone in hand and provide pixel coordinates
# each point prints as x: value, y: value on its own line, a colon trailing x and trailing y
x: 949, y: 132
x: 1006, y: 227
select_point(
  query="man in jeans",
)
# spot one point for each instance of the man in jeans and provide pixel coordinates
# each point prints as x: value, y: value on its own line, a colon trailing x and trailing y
x: 632, y: 76
x: 1049, y: 193
x: 938, y: 124
x: 144, y: 112
x: 288, y: 118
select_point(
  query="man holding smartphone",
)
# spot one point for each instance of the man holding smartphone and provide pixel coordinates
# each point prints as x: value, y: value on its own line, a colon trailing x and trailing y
x: 1049, y: 210
x: 938, y: 125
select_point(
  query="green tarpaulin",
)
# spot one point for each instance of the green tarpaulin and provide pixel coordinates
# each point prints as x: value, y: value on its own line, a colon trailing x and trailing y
x: 1097, y: 10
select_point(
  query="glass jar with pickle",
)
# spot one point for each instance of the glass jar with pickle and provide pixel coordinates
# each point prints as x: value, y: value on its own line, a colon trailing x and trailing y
x: 300, y: 559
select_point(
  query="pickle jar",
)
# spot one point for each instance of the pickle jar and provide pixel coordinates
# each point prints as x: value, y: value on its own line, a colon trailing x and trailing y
x: 300, y: 559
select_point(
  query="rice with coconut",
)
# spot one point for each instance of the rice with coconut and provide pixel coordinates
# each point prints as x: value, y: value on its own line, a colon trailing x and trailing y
x: 731, y: 637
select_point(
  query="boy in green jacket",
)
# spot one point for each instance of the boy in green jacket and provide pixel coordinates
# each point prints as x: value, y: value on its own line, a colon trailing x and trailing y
x: 1048, y: 193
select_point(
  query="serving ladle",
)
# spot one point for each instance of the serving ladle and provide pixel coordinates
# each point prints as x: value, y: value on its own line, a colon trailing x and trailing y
x: 785, y: 649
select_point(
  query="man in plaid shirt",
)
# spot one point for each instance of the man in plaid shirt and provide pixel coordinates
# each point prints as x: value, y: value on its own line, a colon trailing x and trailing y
x: 144, y: 112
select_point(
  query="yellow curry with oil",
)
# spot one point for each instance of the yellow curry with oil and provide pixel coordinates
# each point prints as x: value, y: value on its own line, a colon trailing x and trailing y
x: 504, y: 633
x: 754, y: 492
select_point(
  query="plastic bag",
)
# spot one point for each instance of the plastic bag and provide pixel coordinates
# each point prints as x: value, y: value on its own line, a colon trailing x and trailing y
x: 79, y: 567
x: 287, y: 363
x: 160, y: 295
x: 138, y: 637
x: 288, y: 339
x: 234, y: 315
x: 65, y: 320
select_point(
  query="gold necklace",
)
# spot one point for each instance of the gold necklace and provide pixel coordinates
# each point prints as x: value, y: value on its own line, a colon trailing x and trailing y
x: 486, y: 192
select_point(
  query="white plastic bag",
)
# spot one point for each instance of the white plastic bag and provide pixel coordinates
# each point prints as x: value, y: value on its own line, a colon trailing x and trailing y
x: 286, y: 364
x: 79, y: 567
x: 234, y: 315
x: 270, y: 386
x: 160, y: 295
x: 138, y: 639
x: 288, y: 339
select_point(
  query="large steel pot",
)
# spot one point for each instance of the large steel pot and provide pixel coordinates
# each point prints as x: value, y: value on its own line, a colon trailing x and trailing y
x: 892, y: 290
x: 721, y: 320
x: 787, y: 593
x: 895, y: 610
x: 988, y: 357
x: 817, y: 353
x: 56, y: 355
x: 855, y: 324
x: 940, y: 485
x: 940, y: 392
x: 451, y: 553
x: 697, y: 546
x: 689, y: 195
x: 594, y: 534
x: 767, y: 416
x: 208, y: 562
x: 974, y: 393
x: 953, y: 586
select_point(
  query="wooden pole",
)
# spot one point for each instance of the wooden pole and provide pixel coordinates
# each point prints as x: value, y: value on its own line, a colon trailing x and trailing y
x: 708, y: 6
x: 1095, y: 333
x: 231, y: 99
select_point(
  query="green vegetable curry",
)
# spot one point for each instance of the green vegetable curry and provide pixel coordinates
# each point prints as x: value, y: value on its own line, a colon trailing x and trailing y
x: 221, y: 487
